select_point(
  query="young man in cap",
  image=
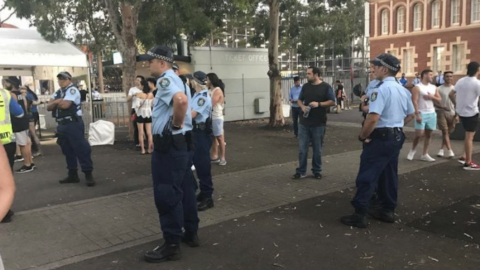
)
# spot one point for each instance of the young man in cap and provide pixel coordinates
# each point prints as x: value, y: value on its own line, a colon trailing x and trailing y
x: 21, y: 126
x: 65, y: 106
x: 173, y: 183
x: 466, y: 95
x: 390, y: 108
x: 176, y: 69
x: 293, y: 97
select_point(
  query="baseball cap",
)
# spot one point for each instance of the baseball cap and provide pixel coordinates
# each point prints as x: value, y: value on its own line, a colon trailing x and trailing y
x: 387, y: 60
x: 14, y: 81
x: 200, y: 77
x: 158, y: 52
x: 64, y: 75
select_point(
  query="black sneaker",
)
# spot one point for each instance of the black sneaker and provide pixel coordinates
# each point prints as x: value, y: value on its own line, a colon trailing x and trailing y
x: 299, y: 176
x: 18, y: 158
x: 205, y: 204
x: 25, y: 169
x: 355, y: 220
x: 382, y: 215
x: 8, y: 217
x: 166, y: 252
x: 318, y: 175
x: 33, y: 165
x: 191, y: 239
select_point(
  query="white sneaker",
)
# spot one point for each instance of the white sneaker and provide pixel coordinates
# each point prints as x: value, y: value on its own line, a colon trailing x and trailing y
x: 411, y: 154
x: 440, y: 153
x: 450, y: 154
x: 427, y: 158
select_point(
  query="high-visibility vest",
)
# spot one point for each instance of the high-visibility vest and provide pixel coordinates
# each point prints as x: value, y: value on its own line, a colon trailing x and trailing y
x: 6, y: 131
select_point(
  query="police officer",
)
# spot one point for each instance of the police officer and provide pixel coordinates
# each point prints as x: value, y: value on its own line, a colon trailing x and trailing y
x: 390, y: 108
x: 202, y: 127
x: 66, y: 109
x: 173, y: 182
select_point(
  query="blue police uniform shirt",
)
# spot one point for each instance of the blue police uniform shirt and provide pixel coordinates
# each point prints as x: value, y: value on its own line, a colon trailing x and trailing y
x: 71, y: 94
x: 403, y: 81
x: 294, y: 94
x: 373, y: 83
x: 168, y: 85
x: 392, y: 102
x: 202, y: 104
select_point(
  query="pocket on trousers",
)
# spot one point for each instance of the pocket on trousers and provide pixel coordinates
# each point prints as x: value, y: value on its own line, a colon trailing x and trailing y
x: 166, y: 198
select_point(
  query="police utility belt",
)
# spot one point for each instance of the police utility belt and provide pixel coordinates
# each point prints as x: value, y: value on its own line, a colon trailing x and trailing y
x: 383, y: 133
x: 163, y: 143
x: 67, y: 120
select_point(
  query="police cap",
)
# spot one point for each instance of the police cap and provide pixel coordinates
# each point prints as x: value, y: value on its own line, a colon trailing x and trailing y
x: 64, y: 75
x: 14, y: 81
x: 158, y: 52
x: 200, y: 77
x: 387, y: 60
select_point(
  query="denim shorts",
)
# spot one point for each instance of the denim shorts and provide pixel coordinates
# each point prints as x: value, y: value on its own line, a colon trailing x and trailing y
x: 429, y: 122
x: 217, y: 127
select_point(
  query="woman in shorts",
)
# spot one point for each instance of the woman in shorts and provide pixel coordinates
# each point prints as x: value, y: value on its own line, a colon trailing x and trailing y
x: 143, y: 108
x: 218, y: 105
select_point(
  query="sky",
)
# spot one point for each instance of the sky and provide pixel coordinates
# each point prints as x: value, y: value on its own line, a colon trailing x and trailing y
x: 20, y: 23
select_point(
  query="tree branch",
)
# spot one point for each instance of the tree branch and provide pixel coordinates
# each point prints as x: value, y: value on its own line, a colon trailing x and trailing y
x: 9, y: 16
x: 114, y: 22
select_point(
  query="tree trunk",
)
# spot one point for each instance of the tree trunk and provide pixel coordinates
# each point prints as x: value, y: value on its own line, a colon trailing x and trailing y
x: 101, y: 87
x: 276, y: 112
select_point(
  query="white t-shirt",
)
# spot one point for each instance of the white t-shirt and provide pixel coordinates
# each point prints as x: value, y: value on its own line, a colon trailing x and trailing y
x: 444, y: 91
x: 468, y: 90
x: 426, y: 106
x: 132, y: 93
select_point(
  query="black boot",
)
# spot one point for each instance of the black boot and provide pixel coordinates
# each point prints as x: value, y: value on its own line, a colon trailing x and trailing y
x: 8, y: 217
x: 166, y: 252
x: 71, y: 178
x: 200, y: 197
x: 382, y: 214
x: 205, y: 204
x: 89, y: 178
x: 358, y: 219
x: 191, y: 239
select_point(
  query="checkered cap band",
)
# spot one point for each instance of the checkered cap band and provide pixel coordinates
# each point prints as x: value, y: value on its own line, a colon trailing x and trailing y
x: 161, y: 57
x: 387, y: 65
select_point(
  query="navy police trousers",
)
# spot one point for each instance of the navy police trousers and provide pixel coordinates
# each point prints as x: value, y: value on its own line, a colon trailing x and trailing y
x: 74, y: 146
x: 379, y: 170
x: 174, y: 192
x: 201, y: 160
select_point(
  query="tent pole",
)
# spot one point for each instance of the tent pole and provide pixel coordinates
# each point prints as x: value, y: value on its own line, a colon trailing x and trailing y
x: 89, y: 87
x: 35, y: 90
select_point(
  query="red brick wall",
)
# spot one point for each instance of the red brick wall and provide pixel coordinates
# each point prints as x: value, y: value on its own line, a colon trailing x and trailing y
x: 422, y: 44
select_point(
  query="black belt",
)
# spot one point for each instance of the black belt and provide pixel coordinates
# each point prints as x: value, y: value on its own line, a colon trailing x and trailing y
x: 201, y: 126
x: 382, y: 132
x: 67, y: 120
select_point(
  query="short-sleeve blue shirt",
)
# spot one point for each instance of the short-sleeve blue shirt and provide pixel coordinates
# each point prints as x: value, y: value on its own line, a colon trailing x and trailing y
x: 202, y: 104
x: 392, y: 102
x: 168, y: 85
x: 31, y: 97
x: 71, y: 93
x: 373, y: 83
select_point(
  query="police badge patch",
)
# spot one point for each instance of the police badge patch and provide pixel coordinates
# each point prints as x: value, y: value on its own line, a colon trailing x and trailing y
x: 200, y: 102
x: 72, y: 91
x: 164, y: 82
x: 373, y: 96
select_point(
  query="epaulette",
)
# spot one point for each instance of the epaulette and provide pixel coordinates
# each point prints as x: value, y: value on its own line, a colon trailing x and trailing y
x: 378, y: 85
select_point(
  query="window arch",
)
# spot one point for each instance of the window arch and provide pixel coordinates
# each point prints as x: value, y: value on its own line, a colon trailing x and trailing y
x: 436, y: 14
x: 455, y: 12
x: 384, y: 16
x: 417, y: 17
x: 400, y: 19
x: 475, y: 8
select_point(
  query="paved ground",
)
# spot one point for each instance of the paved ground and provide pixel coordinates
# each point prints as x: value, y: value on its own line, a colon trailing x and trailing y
x: 78, y: 223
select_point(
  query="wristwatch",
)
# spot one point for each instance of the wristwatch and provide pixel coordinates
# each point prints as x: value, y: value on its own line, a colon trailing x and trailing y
x: 175, y: 127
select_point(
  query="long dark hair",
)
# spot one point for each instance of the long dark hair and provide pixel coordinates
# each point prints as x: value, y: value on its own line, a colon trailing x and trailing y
x: 146, y: 89
x: 35, y: 97
x: 216, y: 82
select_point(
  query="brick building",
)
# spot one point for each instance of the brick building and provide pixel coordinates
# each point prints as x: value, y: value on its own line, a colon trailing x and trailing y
x: 436, y: 34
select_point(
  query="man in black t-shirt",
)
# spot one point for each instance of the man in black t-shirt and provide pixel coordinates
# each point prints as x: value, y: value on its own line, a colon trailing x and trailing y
x: 314, y: 99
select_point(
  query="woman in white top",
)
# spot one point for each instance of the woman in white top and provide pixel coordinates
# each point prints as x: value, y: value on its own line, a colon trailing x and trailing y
x: 218, y: 105
x: 143, y: 108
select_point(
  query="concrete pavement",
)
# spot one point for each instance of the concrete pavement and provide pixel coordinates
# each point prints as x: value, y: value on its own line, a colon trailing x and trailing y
x: 63, y: 234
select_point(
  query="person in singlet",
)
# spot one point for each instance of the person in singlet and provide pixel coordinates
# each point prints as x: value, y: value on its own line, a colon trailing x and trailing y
x: 218, y: 104
x: 424, y: 95
x: 143, y: 107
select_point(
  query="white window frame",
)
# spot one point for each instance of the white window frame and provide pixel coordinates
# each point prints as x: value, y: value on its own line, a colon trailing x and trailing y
x: 458, y: 56
x: 401, y: 20
x: 407, y: 63
x: 436, y: 14
x: 437, y: 59
x: 475, y: 11
x: 417, y: 17
x: 455, y: 12
x: 385, y: 21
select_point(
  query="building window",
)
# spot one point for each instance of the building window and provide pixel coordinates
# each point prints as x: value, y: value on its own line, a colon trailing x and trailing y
x: 400, y: 20
x: 437, y: 58
x: 417, y: 17
x: 475, y: 10
x: 436, y: 14
x: 385, y: 22
x: 407, y: 61
x: 458, y: 56
x: 455, y: 9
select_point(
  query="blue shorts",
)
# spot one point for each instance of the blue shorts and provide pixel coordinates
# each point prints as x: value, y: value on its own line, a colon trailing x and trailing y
x: 217, y: 127
x: 429, y: 122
